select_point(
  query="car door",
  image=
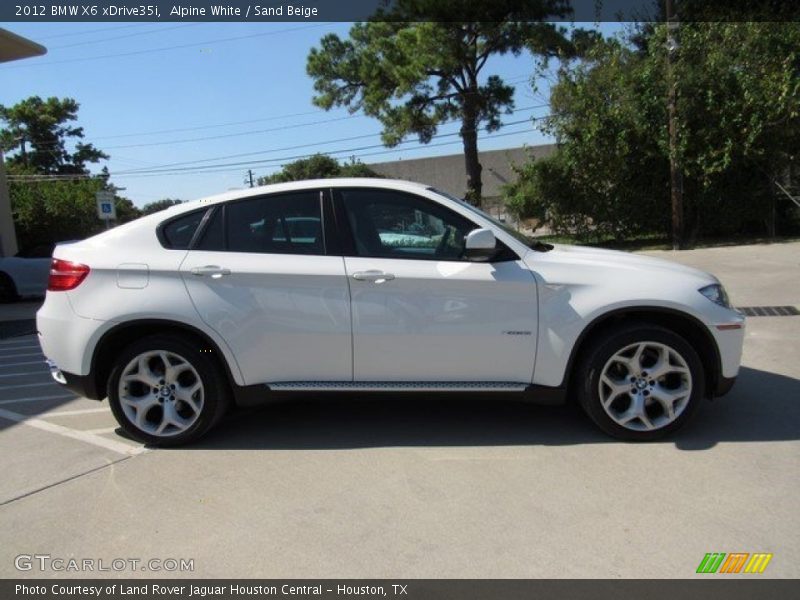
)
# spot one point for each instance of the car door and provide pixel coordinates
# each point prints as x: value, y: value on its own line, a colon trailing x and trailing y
x: 421, y: 311
x: 261, y: 276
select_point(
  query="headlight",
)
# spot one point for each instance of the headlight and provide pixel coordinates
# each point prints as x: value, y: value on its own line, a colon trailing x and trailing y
x: 717, y: 294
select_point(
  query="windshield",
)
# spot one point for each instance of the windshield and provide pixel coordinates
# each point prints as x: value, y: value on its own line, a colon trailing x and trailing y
x: 530, y: 242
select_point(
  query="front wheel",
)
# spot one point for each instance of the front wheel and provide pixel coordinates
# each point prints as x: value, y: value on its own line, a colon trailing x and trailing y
x: 641, y: 382
x: 165, y: 392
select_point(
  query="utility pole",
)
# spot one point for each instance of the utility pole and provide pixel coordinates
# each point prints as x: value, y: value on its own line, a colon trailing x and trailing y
x: 250, y: 178
x: 675, y: 171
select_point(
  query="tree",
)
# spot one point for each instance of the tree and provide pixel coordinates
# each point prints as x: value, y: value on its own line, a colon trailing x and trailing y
x: 738, y: 93
x: 158, y: 205
x: 46, y: 212
x: 52, y: 192
x: 413, y: 73
x: 37, y: 132
x: 318, y: 166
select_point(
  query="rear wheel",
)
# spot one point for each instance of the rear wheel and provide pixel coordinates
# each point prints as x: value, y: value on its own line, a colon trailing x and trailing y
x: 8, y: 291
x: 641, y: 382
x: 164, y: 392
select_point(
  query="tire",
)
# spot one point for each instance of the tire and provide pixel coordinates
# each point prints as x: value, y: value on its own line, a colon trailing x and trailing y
x: 163, y: 408
x: 8, y: 291
x: 636, y: 406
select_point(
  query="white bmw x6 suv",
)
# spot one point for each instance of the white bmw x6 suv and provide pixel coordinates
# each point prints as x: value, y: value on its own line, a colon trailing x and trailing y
x: 372, y: 285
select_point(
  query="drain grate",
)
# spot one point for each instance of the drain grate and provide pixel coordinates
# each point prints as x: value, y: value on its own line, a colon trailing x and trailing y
x: 769, y: 311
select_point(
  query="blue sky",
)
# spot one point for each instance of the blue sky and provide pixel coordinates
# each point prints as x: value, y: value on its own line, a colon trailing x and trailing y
x: 156, y: 94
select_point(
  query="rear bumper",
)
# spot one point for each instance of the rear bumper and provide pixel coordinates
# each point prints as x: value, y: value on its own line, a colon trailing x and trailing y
x: 83, y: 385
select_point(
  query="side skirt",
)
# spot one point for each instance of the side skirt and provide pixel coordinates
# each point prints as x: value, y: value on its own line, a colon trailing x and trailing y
x: 254, y: 395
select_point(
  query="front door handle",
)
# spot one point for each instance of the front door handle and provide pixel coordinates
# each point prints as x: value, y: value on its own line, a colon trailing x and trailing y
x: 372, y: 275
x: 214, y: 271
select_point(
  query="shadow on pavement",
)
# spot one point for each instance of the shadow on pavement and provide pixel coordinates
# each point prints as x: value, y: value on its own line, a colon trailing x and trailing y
x: 761, y: 407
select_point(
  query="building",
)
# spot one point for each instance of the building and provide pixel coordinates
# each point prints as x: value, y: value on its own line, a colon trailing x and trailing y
x: 449, y: 173
x: 12, y: 47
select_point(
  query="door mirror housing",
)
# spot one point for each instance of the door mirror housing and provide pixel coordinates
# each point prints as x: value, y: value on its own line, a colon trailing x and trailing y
x: 480, y: 245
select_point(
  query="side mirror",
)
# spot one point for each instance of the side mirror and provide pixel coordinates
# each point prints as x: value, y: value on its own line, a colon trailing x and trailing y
x: 480, y: 245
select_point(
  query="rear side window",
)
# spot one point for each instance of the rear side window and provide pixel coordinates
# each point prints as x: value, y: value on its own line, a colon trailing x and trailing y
x: 281, y: 224
x: 178, y: 233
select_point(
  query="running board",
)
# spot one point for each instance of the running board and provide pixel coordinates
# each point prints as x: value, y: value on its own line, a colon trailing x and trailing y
x: 398, y: 386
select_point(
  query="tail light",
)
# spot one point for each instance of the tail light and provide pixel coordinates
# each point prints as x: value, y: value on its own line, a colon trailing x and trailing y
x: 65, y: 275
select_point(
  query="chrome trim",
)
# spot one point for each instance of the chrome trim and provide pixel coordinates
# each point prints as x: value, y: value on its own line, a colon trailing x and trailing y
x: 399, y: 386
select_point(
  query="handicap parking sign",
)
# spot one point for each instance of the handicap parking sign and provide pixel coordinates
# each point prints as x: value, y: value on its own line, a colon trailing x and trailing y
x: 106, y: 209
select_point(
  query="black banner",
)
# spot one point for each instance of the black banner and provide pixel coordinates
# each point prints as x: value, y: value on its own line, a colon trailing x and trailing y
x: 714, y: 588
x: 402, y: 10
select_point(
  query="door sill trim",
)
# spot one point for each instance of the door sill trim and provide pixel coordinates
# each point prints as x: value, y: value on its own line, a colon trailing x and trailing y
x: 398, y: 386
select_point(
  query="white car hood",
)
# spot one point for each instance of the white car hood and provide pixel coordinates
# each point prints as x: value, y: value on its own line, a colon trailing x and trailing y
x: 615, y: 259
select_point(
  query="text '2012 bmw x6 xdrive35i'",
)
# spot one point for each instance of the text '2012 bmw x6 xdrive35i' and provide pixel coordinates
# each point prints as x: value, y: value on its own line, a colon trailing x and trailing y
x: 368, y: 285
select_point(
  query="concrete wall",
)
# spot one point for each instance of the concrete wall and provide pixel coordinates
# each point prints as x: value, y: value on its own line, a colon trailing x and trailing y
x: 449, y: 173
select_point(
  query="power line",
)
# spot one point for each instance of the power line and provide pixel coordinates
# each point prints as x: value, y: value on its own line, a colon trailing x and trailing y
x: 89, y: 31
x: 345, y: 152
x: 255, y: 132
x: 297, y: 147
x: 212, y: 169
x: 230, y: 135
x: 246, y: 122
x: 163, y: 49
x: 158, y: 29
x: 284, y: 159
x: 51, y: 177
x: 199, y: 127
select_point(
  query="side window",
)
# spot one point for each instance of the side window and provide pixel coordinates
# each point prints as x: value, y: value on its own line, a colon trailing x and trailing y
x: 388, y: 224
x: 280, y: 224
x: 178, y: 233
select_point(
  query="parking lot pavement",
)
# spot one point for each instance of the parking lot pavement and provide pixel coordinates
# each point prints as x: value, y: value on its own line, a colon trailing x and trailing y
x: 415, y: 488
x: 77, y: 433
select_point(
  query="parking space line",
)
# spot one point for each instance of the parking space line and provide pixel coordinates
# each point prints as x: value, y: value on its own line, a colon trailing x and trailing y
x: 70, y: 413
x: 19, y: 364
x: 82, y: 436
x: 38, y: 399
x: 25, y: 385
x: 14, y: 351
x: 16, y: 342
x: 21, y: 355
x: 20, y: 347
x: 22, y: 373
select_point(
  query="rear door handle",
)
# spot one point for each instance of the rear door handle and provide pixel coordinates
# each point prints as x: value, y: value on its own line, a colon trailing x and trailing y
x: 372, y: 275
x: 214, y: 271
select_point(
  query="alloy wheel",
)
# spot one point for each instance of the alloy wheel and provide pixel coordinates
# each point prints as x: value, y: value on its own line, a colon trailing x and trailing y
x: 645, y: 386
x: 161, y: 393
